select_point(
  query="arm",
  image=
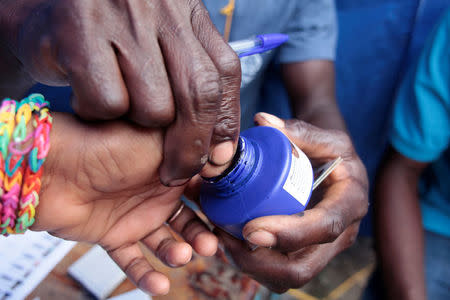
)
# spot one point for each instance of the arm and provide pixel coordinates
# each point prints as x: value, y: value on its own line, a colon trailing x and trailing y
x: 94, y: 189
x: 399, y: 232
x: 311, y: 88
x: 420, y: 132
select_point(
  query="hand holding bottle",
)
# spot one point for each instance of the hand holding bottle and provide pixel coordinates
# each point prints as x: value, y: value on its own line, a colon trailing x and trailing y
x: 293, y: 249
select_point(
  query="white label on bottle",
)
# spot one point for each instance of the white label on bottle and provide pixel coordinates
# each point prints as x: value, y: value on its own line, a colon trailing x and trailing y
x: 300, y: 178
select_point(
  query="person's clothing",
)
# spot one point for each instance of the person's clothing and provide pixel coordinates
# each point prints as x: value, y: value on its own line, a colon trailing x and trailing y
x: 421, y: 131
x: 421, y: 126
x: 437, y: 270
x: 311, y: 26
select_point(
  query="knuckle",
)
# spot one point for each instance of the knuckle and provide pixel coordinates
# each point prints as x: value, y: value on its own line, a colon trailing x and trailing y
x: 160, y: 249
x: 205, y: 91
x: 335, y: 228
x: 296, y: 125
x: 345, y: 144
x: 345, y: 139
x: 206, y: 85
x: 361, y: 170
x: 227, y: 122
x: 73, y: 66
x: 358, y: 197
x: 109, y: 103
x: 160, y: 118
x: 154, y: 114
x: 363, y: 208
x: 191, y: 229
x: 351, y: 239
x: 300, y: 129
x: 229, y: 64
x: 113, y: 104
x: 197, y: 9
x: 174, y: 29
x: 133, y: 264
x: 226, y: 128
x: 171, y: 25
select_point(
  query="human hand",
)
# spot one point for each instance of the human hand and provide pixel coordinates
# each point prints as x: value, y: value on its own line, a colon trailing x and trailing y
x: 100, y: 185
x: 293, y: 249
x: 162, y: 63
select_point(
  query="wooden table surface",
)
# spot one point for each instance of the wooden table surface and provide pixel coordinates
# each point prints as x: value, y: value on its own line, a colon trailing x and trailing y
x: 186, y: 282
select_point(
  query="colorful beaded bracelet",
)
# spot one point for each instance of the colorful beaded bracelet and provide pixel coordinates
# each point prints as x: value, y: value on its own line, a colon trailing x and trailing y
x: 21, y: 159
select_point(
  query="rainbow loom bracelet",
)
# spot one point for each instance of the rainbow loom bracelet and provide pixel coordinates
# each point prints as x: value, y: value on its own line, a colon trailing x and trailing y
x: 12, y: 179
x: 19, y: 176
x: 39, y: 151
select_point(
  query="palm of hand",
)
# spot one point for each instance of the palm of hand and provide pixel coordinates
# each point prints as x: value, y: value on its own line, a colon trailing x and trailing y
x: 101, y: 185
x: 101, y: 180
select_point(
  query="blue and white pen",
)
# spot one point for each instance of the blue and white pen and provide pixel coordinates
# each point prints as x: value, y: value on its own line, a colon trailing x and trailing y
x: 261, y: 43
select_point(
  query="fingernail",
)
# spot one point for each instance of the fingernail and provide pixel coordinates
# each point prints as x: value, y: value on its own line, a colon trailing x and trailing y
x: 178, y: 182
x: 221, y: 153
x: 262, y: 238
x: 272, y: 119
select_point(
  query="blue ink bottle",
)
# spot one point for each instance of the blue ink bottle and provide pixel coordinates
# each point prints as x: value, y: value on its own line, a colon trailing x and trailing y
x: 269, y: 175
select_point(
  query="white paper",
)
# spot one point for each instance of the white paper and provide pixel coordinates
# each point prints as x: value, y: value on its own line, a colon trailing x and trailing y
x: 97, y: 272
x: 132, y: 295
x: 25, y: 260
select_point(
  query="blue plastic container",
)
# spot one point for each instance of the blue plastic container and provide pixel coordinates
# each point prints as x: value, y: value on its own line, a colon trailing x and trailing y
x: 269, y: 176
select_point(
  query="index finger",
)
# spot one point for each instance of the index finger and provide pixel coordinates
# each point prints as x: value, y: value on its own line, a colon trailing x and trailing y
x: 317, y: 143
x: 321, y: 146
x: 197, y: 91
x: 226, y: 129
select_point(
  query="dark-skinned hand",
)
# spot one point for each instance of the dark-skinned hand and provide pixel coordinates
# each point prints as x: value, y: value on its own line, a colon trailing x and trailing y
x: 161, y: 63
x: 293, y: 249
x: 100, y: 185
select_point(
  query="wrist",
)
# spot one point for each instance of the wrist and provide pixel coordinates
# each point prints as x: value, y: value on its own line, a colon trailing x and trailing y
x: 25, y: 133
x: 50, y: 166
x: 64, y: 181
